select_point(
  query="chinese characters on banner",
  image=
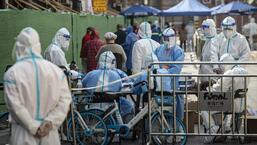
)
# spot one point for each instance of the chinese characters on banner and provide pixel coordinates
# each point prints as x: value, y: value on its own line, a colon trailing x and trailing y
x: 100, y: 6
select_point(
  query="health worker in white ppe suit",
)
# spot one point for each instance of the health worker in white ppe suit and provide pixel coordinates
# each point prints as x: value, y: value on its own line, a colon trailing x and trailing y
x: 250, y: 30
x: 233, y: 43
x: 56, y: 50
x: 170, y: 51
x: 226, y: 85
x: 210, y: 36
x: 105, y: 74
x: 36, y: 94
x: 143, y: 49
x: 190, y: 34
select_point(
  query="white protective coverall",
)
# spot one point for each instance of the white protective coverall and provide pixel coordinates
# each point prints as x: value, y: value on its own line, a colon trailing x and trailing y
x: 190, y: 33
x: 250, y: 29
x: 35, y: 91
x: 102, y: 77
x: 144, y: 48
x: 56, y: 50
x: 210, y: 34
x: 227, y: 86
x: 231, y: 42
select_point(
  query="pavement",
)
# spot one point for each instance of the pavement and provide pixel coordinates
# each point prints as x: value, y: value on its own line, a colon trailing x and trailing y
x: 4, y: 137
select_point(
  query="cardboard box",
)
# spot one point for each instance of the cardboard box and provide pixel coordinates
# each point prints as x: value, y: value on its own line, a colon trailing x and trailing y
x: 191, y: 121
x: 192, y: 106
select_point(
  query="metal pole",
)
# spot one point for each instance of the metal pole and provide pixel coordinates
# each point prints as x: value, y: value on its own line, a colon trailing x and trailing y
x: 174, y: 109
x: 186, y: 106
x: 73, y: 125
x: 209, y: 112
x: 222, y: 113
x: 233, y: 108
x: 162, y: 104
x: 198, y: 102
x: 245, y: 103
x: 72, y: 116
x: 149, y: 105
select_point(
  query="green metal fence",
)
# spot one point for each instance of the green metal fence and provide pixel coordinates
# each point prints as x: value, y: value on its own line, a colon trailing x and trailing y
x: 47, y: 24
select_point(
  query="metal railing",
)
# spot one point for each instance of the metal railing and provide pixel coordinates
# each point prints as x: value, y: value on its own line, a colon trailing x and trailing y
x: 197, y: 91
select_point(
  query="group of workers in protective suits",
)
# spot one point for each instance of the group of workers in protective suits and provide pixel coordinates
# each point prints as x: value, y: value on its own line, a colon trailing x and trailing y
x: 228, y: 46
x: 145, y: 51
x: 38, y: 105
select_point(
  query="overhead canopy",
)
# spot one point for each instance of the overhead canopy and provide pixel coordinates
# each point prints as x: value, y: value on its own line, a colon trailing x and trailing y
x: 235, y: 7
x: 140, y: 10
x: 217, y: 7
x: 187, y: 8
x: 155, y: 9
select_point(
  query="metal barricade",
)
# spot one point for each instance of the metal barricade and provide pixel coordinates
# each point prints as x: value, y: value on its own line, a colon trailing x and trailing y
x: 221, y: 101
x: 64, y: 126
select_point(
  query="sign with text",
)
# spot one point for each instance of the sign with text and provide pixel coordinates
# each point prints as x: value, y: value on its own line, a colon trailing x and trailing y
x: 100, y: 6
x: 215, y: 101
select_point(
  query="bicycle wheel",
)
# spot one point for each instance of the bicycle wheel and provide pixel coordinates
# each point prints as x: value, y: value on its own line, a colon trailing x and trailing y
x: 108, y: 121
x: 96, y: 134
x: 167, y: 128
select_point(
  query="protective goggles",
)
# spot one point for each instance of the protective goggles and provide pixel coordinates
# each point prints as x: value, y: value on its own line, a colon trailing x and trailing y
x: 67, y: 37
x: 205, y: 27
x: 114, y: 61
x: 228, y: 26
x: 167, y: 38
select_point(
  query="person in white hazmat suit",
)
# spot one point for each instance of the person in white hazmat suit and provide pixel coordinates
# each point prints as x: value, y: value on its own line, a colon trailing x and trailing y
x: 249, y: 30
x: 190, y: 33
x: 143, y: 49
x: 210, y: 36
x: 233, y: 43
x: 101, y: 80
x: 55, y: 52
x: 238, y: 82
x: 36, y: 94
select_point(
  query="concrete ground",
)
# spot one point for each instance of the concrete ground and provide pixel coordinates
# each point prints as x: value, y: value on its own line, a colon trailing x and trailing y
x: 4, y: 137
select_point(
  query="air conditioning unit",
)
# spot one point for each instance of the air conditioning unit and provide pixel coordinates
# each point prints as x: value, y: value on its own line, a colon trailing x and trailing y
x: 206, y: 1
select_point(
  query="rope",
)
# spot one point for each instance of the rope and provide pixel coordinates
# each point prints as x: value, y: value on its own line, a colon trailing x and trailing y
x: 111, y: 83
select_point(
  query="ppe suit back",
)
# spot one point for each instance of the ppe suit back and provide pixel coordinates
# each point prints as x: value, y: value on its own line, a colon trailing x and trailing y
x: 36, y: 90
